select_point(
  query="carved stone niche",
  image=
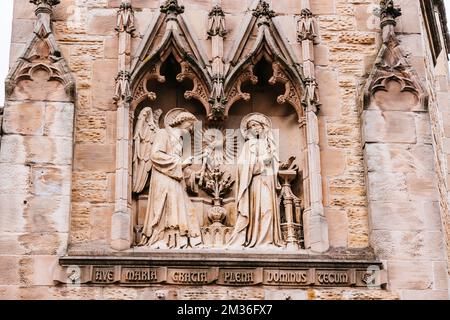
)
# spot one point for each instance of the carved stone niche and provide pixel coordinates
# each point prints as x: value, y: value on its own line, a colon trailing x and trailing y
x: 262, y: 91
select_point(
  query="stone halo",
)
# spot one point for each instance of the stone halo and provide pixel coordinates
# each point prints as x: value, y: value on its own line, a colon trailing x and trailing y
x: 261, y: 118
x: 172, y: 114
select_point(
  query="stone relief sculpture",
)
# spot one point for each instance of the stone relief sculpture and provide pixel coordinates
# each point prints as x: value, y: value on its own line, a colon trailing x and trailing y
x: 170, y: 221
x: 258, y: 218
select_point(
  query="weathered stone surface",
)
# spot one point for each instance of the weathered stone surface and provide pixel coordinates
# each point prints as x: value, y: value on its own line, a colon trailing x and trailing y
x: 24, y: 118
x: 337, y: 224
x: 399, y: 158
x: 92, y: 157
x: 384, y: 126
x: 413, y: 275
x: 9, y: 270
x: 411, y: 215
x: 408, y: 245
x: 387, y: 186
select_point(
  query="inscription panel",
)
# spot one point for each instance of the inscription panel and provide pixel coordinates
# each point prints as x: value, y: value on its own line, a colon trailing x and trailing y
x: 276, y: 277
x: 240, y: 277
x: 139, y: 276
x: 192, y: 276
x: 333, y: 278
x: 104, y: 275
x: 228, y: 276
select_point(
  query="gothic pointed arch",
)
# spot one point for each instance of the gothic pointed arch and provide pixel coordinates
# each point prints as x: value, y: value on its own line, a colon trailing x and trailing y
x: 169, y: 35
x: 269, y: 44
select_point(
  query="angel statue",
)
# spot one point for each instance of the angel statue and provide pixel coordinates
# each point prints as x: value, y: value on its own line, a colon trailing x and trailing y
x: 258, y: 214
x: 170, y: 221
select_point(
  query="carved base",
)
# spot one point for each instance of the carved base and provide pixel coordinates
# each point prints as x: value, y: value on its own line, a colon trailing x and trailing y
x: 294, y: 240
x: 216, y: 235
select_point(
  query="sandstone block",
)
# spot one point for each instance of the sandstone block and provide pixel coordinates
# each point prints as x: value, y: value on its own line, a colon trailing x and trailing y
x: 424, y: 295
x: 408, y: 22
x: 441, y: 276
x: 51, y: 180
x: 415, y: 275
x: 12, y: 212
x: 323, y: 7
x: 385, y: 127
x: 329, y: 92
x: 43, y: 269
x: 387, y: 186
x: 423, y: 128
x: 54, y: 243
x: 421, y: 187
x: 15, y: 178
x: 94, y: 157
x: 24, y: 118
x: 101, y: 22
x: 408, y: 245
x: 10, y: 244
x: 9, y: 270
x: 399, y: 158
x: 411, y: 215
x: 337, y: 225
x: 22, y: 29
x: 103, y: 86
x: 59, y: 119
x: 48, y: 213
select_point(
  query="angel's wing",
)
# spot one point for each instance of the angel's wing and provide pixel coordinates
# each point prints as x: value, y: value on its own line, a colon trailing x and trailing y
x: 144, y: 134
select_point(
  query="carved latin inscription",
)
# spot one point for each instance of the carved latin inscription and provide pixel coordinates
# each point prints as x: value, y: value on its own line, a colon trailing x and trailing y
x: 139, y: 275
x: 240, y: 277
x: 286, y: 277
x: 333, y: 278
x: 104, y: 275
x: 181, y: 276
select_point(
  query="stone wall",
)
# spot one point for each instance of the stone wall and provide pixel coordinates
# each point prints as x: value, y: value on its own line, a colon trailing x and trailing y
x: 43, y: 184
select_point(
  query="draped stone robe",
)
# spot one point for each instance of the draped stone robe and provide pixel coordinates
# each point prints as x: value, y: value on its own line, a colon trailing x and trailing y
x: 258, y: 218
x: 170, y: 221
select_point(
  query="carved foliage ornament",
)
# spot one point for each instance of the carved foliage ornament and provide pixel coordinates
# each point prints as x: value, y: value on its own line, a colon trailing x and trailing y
x: 46, y: 2
x: 216, y: 23
x: 306, y: 26
x: 125, y: 18
x: 172, y: 6
x: 387, y: 9
x: 263, y: 11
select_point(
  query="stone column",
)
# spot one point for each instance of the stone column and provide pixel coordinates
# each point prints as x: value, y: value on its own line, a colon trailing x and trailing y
x: 315, y: 224
x: 122, y: 221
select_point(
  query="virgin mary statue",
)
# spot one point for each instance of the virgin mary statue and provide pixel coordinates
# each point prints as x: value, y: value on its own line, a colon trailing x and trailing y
x: 258, y: 218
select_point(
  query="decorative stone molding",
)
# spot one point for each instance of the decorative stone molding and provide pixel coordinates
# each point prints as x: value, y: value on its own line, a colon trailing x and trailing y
x: 216, y: 22
x: 263, y: 11
x: 45, y: 2
x: 391, y: 63
x: 306, y: 26
x: 42, y: 54
x: 123, y: 91
x: 235, y: 93
x: 125, y: 18
x: 172, y: 7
